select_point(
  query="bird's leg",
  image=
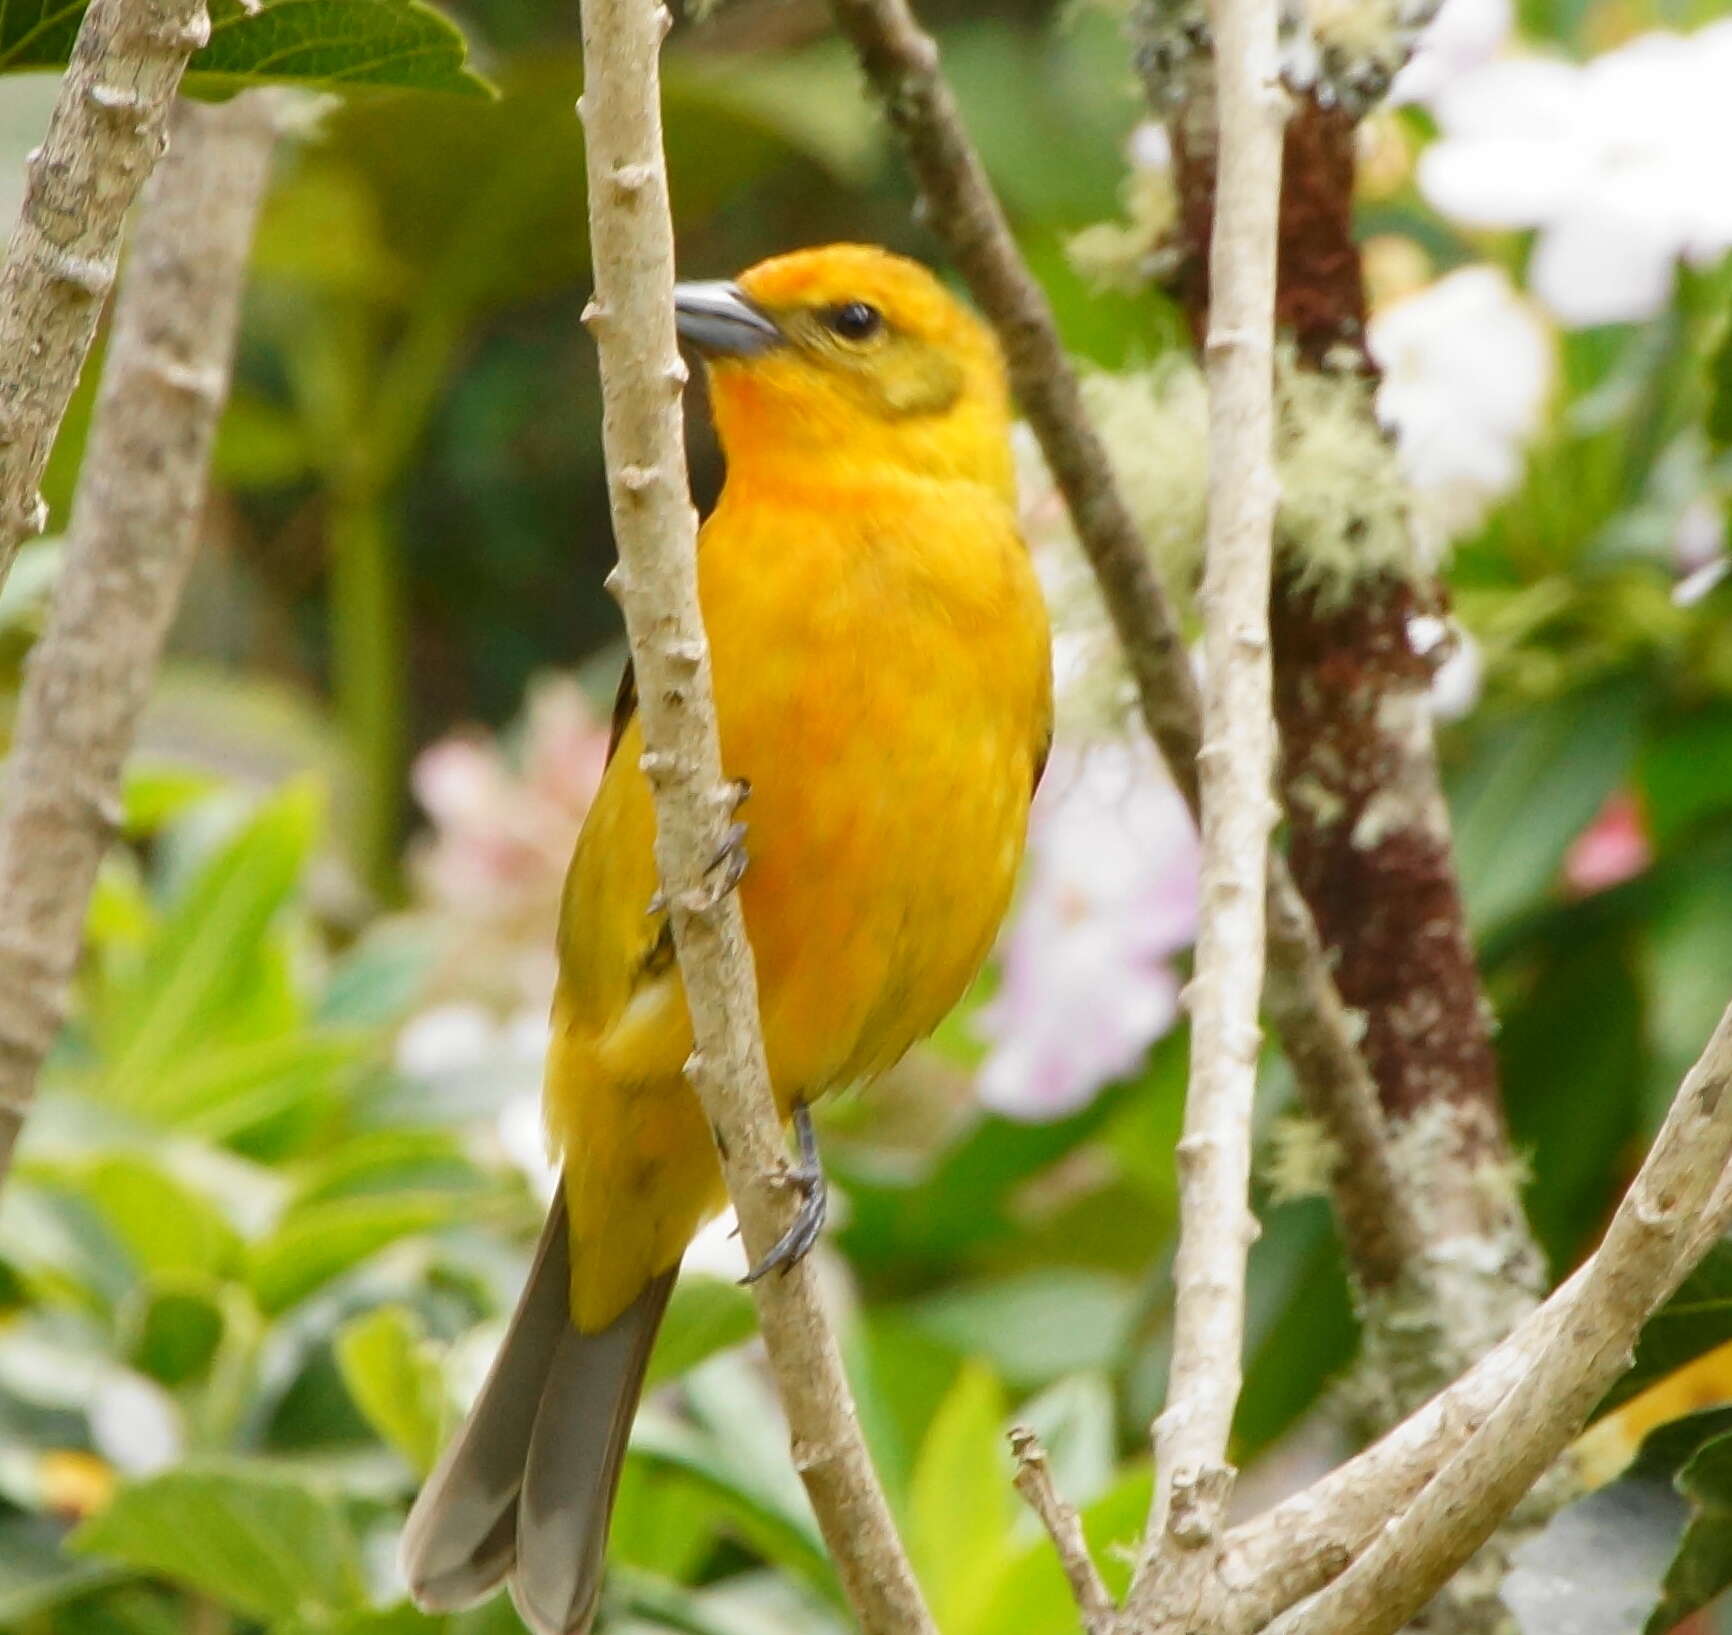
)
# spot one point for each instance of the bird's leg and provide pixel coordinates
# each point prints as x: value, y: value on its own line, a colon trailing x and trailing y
x: 807, y: 1177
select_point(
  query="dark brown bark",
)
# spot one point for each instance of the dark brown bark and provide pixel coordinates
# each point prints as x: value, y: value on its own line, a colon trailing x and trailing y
x: 1371, y: 851
x: 1368, y: 835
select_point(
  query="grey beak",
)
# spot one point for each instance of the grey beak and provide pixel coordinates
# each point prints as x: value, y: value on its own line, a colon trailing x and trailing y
x: 719, y: 322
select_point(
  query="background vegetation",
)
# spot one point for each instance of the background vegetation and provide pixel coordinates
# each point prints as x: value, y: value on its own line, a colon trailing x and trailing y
x: 279, y: 1193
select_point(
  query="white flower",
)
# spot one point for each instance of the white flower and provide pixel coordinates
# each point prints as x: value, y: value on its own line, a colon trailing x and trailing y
x: 1110, y: 895
x: 1620, y: 162
x: 1699, y: 551
x: 1467, y: 369
x: 134, y: 1424
x: 717, y: 1251
x: 1457, y: 682
x: 445, y: 1039
x: 1464, y: 35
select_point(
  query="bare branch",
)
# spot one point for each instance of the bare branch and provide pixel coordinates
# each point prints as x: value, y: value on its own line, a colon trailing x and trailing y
x: 1235, y: 767
x: 1306, y: 1541
x: 632, y: 317
x: 1647, y: 1248
x: 900, y: 59
x: 1064, y: 1528
x: 134, y: 529
x: 105, y: 133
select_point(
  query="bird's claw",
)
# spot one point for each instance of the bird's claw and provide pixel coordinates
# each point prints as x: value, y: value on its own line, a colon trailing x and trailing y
x: 729, y: 863
x: 806, y: 1177
x: 725, y: 870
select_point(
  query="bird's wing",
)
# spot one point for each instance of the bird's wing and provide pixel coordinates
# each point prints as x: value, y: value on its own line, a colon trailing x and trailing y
x: 624, y: 707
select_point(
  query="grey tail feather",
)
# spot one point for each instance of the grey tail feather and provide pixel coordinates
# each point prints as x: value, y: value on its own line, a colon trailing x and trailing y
x: 572, y: 1472
x: 461, y: 1534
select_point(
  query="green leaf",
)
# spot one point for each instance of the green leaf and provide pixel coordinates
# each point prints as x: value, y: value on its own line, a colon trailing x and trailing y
x: 1702, y: 1568
x: 197, y: 964
x: 388, y: 1161
x: 393, y: 1375
x: 332, y: 43
x: 174, y: 1330
x: 1571, y: 1053
x: 162, y: 1223
x: 268, y: 1545
x: 960, y: 1500
x: 1682, y: 770
x: 1696, y: 1320
x: 1719, y: 416
x: 705, y: 1315
x: 35, y: 1573
x: 1036, y: 1325
x: 231, y: 1092
x: 315, y: 1244
x: 1076, y: 1421
x: 732, y: 1441
x: 1532, y: 788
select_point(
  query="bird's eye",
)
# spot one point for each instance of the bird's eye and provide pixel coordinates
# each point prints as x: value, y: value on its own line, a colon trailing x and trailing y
x: 856, y: 321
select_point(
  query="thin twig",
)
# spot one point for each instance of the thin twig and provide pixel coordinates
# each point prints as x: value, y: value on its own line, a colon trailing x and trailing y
x: 1646, y: 1250
x: 134, y: 529
x: 104, y: 135
x: 1378, y: 1227
x: 1064, y: 1527
x: 631, y: 238
x: 1235, y: 767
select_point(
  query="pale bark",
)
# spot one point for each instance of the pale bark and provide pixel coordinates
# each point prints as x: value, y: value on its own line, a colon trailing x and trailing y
x: 1235, y: 768
x: 134, y: 528
x: 1300, y: 1545
x: 1064, y: 1527
x: 631, y: 238
x: 105, y: 133
x: 1381, y: 1234
x: 1646, y: 1250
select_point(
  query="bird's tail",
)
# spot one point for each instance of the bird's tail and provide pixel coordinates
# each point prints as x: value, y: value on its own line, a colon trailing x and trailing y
x: 527, y: 1486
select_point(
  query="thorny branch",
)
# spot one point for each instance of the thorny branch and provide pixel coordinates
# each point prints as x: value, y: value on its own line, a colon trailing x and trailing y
x: 631, y: 237
x: 134, y: 529
x: 900, y: 59
x: 105, y: 133
x: 1235, y: 766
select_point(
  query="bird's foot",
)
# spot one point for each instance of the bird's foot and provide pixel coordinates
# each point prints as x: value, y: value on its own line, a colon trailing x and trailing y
x: 806, y: 1177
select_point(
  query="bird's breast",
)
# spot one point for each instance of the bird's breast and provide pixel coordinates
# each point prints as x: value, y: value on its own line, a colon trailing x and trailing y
x: 882, y: 684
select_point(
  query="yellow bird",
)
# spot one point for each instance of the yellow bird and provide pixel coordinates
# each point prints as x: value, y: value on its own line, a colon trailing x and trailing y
x: 883, y: 682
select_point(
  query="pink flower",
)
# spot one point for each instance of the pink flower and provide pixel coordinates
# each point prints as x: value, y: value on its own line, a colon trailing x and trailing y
x: 504, y: 832
x: 503, y: 826
x: 1612, y: 849
x: 1108, y: 897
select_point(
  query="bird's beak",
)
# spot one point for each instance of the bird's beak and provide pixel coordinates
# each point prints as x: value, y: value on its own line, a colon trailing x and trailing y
x: 718, y: 321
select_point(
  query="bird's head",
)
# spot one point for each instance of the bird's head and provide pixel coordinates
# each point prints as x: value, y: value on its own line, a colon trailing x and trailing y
x: 848, y: 358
